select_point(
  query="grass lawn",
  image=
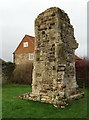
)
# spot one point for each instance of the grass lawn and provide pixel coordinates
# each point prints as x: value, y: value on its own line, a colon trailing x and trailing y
x: 13, y: 107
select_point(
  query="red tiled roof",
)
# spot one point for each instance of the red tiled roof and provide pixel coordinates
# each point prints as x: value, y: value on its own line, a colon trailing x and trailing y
x: 77, y: 58
x: 21, y: 50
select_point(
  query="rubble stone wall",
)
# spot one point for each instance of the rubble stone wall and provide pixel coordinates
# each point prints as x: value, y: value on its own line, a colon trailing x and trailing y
x: 54, y: 79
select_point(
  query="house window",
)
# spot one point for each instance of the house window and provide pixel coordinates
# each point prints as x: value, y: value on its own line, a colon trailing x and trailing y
x: 31, y: 56
x: 25, y: 44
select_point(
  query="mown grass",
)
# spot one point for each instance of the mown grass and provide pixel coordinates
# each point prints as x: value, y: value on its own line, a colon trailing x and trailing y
x: 12, y: 107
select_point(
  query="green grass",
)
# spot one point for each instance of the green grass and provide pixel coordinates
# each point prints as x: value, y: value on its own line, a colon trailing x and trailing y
x: 12, y: 107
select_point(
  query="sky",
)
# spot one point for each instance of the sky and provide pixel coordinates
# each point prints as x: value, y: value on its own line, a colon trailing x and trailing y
x: 17, y: 19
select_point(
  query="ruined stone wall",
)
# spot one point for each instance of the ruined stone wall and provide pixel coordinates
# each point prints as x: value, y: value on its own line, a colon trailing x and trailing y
x: 54, y: 65
x: 54, y: 79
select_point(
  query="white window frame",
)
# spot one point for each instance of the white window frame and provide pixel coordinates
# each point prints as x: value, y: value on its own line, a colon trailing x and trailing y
x: 31, y: 56
x: 25, y: 44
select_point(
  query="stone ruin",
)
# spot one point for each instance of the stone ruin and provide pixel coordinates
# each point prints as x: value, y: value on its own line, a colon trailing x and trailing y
x: 54, y: 79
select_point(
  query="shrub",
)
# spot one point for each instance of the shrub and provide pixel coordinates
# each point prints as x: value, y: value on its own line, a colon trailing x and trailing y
x: 82, y: 72
x: 7, y: 70
x: 22, y: 73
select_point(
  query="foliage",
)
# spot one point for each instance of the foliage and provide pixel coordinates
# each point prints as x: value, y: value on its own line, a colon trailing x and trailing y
x: 7, y: 70
x: 82, y: 72
x: 22, y: 73
x: 13, y: 107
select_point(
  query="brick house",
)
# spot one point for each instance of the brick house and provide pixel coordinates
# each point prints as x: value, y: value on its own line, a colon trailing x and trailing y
x: 25, y: 50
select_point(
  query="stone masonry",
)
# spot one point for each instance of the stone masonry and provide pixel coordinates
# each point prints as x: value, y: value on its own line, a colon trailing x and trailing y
x: 21, y: 58
x: 54, y: 79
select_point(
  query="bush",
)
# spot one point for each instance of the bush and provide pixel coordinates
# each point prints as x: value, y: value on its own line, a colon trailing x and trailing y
x: 7, y: 70
x: 82, y: 72
x: 22, y: 73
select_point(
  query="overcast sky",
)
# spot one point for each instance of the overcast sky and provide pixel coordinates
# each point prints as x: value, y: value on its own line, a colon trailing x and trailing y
x: 17, y: 19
